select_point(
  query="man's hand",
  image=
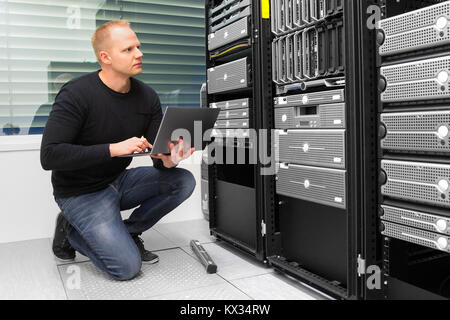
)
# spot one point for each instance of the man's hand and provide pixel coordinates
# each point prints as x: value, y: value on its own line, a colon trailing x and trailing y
x: 177, y: 154
x: 128, y: 147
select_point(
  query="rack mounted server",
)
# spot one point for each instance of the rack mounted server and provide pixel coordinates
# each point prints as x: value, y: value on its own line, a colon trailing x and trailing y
x: 414, y: 145
x: 324, y: 148
x: 229, y: 34
x: 228, y: 77
x: 320, y: 185
x: 325, y: 116
x: 291, y: 15
x: 416, y: 219
x: 235, y: 114
x: 308, y: 54
x: 417, y: 236
x: 426, y: 79
x: 311, y: 132
x: 428, y: 183
x: 421, y: 29
x: 425, y: 132
x: 233, y: 11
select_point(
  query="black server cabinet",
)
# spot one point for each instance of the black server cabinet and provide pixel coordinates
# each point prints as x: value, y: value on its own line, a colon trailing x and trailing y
x: 414, y: 148
x: 236, y: 84
x: 321, y: 206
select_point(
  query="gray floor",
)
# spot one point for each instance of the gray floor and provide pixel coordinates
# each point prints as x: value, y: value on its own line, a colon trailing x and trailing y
x: 28, y: 270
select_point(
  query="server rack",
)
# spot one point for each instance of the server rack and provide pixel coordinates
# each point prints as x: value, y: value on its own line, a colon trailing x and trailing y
x: 237, y: 85
x: 321, y: 206
x: 414, y: 124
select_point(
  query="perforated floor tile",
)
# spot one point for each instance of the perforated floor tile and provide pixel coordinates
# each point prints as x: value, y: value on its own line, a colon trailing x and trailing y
x: 217, y: 292
x: 175, y: 272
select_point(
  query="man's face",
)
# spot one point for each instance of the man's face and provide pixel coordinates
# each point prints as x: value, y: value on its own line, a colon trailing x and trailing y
x: 124, y: 52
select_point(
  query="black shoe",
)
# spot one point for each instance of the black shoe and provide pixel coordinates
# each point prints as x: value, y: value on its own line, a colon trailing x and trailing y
x: 146, y: 255
x: 61, y: 246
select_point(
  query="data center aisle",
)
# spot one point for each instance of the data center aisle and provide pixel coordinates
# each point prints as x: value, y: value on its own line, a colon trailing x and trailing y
x: 29, y: 271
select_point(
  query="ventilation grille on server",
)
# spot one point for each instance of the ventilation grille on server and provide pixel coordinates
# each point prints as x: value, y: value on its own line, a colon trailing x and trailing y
x: 310, y: 51
x: 308, y: 54
x: 324, y: 148
x: 228, y: 34
x: 319, y: 185
x: 420, y: 80
x: 420, y: 29
x: 231, y: 104
x: 416, y: 219
x: 230, y: 133
x: 228, y: 77
x: 227, y: 13
x: 232, y: 124
x: 325, y: 116
x: 419, y: 182
x: 222, y: 6
x: 227, y: 8
x: 289, y: 15
x: 298, y: 56
x: 417, y: 236
x: 234, y: 114
x: 416, y: 131
x: 310, y: 99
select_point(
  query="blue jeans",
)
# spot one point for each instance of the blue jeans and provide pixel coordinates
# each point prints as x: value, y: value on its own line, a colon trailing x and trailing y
x: 96, y: 226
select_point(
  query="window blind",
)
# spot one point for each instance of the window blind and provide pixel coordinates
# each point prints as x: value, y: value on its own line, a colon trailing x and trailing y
x: 45, y: 43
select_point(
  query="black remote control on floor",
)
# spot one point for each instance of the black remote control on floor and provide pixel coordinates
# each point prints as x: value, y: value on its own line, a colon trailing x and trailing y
x: 204, y: 257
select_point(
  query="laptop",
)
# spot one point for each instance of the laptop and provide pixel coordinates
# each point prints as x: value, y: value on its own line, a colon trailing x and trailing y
x: 187, y: 123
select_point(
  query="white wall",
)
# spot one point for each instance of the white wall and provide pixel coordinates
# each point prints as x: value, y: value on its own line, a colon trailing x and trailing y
x: 27, y: 207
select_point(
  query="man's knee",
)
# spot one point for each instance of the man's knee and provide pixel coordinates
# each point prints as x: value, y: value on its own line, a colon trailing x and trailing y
x: 127, y: 269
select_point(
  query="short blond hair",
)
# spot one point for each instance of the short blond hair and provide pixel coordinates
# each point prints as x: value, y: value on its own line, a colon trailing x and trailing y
x: 102, y: 33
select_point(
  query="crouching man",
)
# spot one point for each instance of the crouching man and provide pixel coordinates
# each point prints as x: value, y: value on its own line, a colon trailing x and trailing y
x: 96, y: 119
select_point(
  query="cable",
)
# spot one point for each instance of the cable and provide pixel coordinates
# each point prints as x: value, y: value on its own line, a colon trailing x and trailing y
x: 226, y: 51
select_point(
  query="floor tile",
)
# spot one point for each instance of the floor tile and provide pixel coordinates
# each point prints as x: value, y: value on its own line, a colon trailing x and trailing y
x: 175, y: 272
x: 181, y: 233
x: 275, y: 287
x: 28, y: 271
x: 217, y: 292
x: 232, y: 264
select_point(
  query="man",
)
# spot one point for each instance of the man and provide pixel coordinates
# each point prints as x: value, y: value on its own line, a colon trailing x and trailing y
x: 94, y: 120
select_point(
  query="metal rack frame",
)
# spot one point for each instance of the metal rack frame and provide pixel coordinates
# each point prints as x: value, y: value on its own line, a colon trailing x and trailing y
x: 361, y: 241
x: 256, y: 51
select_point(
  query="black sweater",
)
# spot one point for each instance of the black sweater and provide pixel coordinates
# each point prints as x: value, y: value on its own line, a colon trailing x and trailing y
x: 86, y: 118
